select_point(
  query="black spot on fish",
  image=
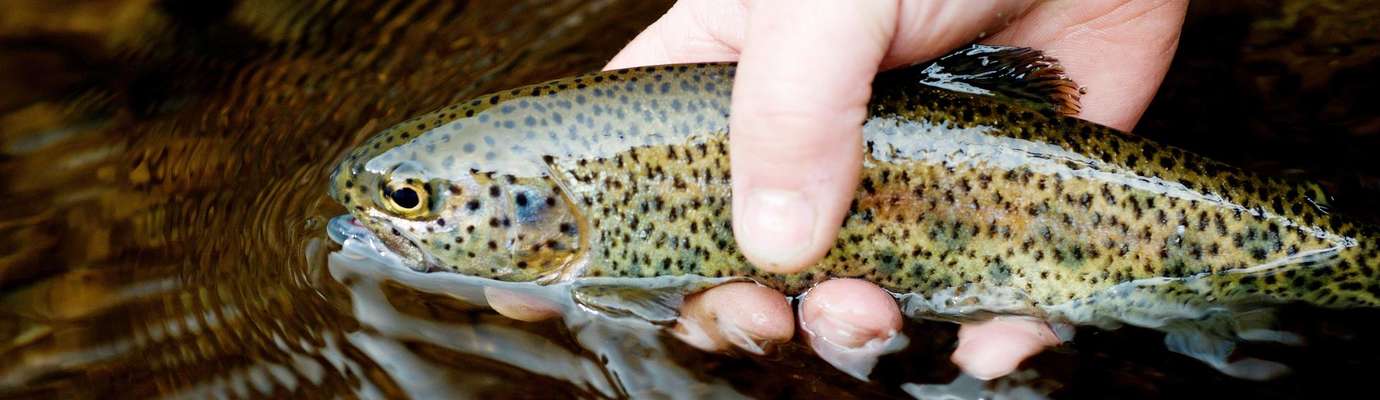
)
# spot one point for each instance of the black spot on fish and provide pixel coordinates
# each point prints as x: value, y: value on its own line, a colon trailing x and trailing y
x: 868, y: 186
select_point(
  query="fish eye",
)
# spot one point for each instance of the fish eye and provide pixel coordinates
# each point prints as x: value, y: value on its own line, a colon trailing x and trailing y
x: 406, y: 197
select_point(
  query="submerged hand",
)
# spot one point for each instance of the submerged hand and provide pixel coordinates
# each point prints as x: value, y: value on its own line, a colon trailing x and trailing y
x: 799, y: 100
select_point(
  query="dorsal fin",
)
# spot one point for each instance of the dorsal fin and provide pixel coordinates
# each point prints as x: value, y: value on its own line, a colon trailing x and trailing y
x: 1019, y: 73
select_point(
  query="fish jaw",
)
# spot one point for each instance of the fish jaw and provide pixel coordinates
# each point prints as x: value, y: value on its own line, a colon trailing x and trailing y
x: 346, y: 227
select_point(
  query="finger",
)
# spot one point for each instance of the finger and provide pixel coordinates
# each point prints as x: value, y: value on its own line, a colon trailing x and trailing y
x: 801, y: 93
x: 1119, y: 50
x: 519, y: 306
x: 850, y: 323
x: 691, y: 31
x: 741, y: 314
x: 796, y: 127
x: 850, y: 312
x: 929, y: 29
x: 994, y: 348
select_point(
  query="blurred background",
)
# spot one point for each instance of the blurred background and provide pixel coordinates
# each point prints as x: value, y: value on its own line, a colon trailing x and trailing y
x: 163, y: 166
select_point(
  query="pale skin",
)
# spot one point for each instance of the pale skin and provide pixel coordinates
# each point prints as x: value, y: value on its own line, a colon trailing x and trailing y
x: 803, y: 82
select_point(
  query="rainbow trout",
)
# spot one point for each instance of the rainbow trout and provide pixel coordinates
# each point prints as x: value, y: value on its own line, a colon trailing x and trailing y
x: 978, y: 197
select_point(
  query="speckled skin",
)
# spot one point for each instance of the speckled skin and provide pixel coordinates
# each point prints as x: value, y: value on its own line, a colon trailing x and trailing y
x: 971, y: 202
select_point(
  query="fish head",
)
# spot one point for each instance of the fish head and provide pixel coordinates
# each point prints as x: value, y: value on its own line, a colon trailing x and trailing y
x: 413, y: 190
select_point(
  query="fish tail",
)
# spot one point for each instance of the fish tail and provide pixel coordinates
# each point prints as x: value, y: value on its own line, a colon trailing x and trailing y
x: 1348, y: 277
x: 1352, y: 281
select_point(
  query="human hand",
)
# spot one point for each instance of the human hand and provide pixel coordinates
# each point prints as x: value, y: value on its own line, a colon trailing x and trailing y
x: 799, y: 100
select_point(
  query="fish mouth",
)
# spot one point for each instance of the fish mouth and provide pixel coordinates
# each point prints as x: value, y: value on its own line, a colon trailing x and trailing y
x: 345, y: 226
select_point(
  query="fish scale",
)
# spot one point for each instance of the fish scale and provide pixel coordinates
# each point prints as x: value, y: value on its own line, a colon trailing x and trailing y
x: 971, y: 201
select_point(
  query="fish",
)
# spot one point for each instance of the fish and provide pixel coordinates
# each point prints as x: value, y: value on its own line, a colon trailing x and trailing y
x: 981, y: 194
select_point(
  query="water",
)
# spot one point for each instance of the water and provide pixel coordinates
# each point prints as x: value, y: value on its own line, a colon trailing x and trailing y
x: 164, y: 170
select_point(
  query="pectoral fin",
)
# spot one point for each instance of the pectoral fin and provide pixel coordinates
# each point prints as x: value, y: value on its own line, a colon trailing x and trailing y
x: 1216, y: 351
x: 655, y: 300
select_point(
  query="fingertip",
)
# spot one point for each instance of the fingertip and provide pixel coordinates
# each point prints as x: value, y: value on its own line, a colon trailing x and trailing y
x: 519, y: 306
x: 994, y: 348
x: 850, y: 324
x: 741, y: 314
x: 785, y: 231
x: 850, y: 312
x: 760, y: 311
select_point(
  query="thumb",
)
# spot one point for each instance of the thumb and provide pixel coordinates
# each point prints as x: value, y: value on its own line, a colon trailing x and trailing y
x: 795, y: 143
x: 799, y: 100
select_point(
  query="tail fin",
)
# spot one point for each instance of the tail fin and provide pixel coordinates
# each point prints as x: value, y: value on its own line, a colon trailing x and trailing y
x: 1340, y: 277
x: 1346, y: 276
x: 1204, y: 316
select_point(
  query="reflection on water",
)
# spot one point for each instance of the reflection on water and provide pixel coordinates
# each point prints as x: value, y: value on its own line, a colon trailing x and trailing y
x: 631, y: 360
x: 164, y: 166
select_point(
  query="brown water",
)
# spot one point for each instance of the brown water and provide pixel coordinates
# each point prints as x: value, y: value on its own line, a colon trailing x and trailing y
x: 164, y: 168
